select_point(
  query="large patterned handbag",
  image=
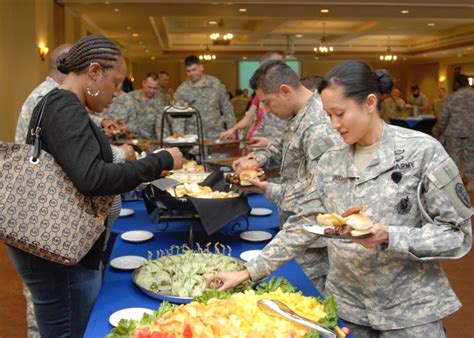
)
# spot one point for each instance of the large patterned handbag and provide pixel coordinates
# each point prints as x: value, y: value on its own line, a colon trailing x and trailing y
x: 41, y: 212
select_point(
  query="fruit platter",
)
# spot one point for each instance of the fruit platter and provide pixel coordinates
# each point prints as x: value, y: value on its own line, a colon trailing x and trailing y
x: 234, y: 314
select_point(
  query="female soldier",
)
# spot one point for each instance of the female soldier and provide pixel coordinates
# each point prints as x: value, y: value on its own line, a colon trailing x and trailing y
x: 389, y: 284
x: 63, y: 296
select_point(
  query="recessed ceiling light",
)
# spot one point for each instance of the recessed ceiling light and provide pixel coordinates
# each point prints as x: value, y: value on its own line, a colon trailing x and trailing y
x: 324, y: 10
x: 242, y: 10
x: 212, y: 22
x: 116, y: 10
x: 153, y: 58
x: 244, y: 58
x: 135, y: 35
x: 128, y: 27
x: 431, y: 24
x: 147, y: 51
x: 299, y: 35
x: 405, y: 11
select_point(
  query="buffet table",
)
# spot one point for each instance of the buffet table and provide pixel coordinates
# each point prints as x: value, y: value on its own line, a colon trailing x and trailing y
x: 118, y: 290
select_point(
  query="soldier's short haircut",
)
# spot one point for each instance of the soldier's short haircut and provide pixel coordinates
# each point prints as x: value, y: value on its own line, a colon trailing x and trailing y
x: 271, y: 75
x: 358, y: 81
x: 92, y: 48
x: 152, y: 75
x: 163, y: 72
x: 312, y: 82
x: 192, y: 60
x: 462, y: 80
x: 271, y: 56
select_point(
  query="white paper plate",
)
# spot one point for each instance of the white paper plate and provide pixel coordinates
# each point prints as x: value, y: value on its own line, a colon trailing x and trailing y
x: 135, y: 313
x: 137, y: 236
x: 126, y: 212
x: 250, y: 254
x: 256, y: 236
x: 260, y: 212
x: 127, y: 262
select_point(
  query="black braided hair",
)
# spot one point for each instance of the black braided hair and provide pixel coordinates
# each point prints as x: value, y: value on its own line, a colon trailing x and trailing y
x: 92, y: 48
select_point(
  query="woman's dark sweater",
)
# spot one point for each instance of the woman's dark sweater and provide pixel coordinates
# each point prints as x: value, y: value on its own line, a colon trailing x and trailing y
x: 84, y: 153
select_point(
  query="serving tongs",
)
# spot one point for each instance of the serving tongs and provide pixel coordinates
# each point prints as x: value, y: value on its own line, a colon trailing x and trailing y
x: 275, y: 307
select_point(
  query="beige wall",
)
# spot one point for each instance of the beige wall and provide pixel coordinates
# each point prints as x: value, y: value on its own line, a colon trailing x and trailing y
x: 21, y: 68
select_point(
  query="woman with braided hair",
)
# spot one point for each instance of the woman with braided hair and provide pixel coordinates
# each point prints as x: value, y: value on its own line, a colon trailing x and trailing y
x: 63, y: 296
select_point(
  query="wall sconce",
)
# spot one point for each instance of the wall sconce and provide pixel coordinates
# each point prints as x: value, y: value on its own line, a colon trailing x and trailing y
x: 42, y: 50
x: 442, y: 78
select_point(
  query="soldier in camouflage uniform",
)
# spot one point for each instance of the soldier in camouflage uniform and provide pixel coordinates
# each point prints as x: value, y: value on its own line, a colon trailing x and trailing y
x: 150, y: 102
x: 437, y: 105
x: 122, y: 111
x: 390, y: 283
x: 209, y: 96
x: 307, y: 136
x: 455, y: 125
x: 392, y: 106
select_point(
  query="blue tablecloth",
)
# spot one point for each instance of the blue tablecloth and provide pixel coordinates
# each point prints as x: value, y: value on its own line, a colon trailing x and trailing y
x: 118, y: 290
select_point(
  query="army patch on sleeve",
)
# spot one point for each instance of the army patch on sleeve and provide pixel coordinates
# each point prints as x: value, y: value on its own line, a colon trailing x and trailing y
x: 462, y: 194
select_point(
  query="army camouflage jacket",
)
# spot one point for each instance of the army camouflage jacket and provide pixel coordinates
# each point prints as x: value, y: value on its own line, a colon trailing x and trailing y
x: 212, y: 101
x: 27, y: 109
x: 399, y: 284
x: 307, y: 136
x: 457, y: 117
x: 122, y: 108
x: 149, y: 112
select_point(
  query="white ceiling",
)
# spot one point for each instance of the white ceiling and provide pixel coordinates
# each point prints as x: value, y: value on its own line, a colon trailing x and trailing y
x: 175, y: 28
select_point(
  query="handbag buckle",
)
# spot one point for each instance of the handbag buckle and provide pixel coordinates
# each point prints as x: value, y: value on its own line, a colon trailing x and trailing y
x: 36, y: 131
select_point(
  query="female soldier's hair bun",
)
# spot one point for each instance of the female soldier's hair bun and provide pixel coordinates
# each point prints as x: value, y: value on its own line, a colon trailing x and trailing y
x: 385, y: 81
x: 61, y: 63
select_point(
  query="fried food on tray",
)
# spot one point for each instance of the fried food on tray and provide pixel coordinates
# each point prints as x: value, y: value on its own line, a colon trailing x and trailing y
x: 198, y: 191
x: 353, y: 222
x: 245, y: 176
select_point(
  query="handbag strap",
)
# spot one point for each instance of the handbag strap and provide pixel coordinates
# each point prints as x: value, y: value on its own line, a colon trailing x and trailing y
x: 36, y: 133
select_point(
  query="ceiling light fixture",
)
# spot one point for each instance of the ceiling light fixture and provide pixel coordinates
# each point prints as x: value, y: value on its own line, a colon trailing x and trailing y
x: 135, y: 35
x: 147, y: 51
x: 207, y: 56
x: 242, y: 10
x: 244, y: 58
x: 116, y: 10
x: 431, y: 24
x: 299, y: 36
x: 221, y: 39
x: 405, y: 11
x: 388, y: 57
x: 324, y: 10
x: 323, y: 48
x: 153, y: 58
x: 129, y: 27
x: 212, y: 22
